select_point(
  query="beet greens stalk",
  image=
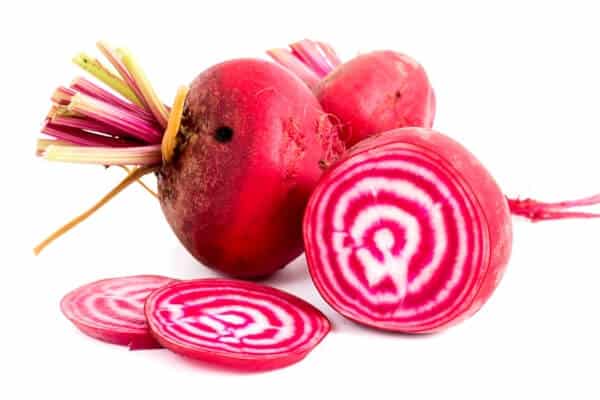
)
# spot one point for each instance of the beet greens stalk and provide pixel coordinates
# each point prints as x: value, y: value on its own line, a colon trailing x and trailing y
x: 89, y: 124
x: 309, y: 60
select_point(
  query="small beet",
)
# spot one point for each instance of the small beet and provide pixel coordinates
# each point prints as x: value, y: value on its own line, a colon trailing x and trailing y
x: 237, y: 324
x: 112, y: 310
x: 373, y: 92
x: 377, y: 92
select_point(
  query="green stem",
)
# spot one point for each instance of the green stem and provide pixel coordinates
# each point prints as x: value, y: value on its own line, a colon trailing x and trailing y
x: 95, y: 68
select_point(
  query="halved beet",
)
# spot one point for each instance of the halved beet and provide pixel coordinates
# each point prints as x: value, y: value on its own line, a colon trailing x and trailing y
x: 112, y: 310
x: 408, y: 232
x: 237, y: 324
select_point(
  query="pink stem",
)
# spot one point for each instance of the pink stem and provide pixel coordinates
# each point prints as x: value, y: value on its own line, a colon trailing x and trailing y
x: 116, y: 117
x: 330, y: 53
x: 80, y: 137
x: 286, y: 59
x: 312, y: 55
x: 62, y: 95
x: 92, y: 125
x: 86, y: 87
x: 541, y: 211
x: 308, y: 60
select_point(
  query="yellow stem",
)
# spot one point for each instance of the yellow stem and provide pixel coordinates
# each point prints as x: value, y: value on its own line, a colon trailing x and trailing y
x: 95, y: 68
x: 141, y: 182
x: 132, y: 177
x: 168, y: 141
x: 43, y: 144
x: 156, y: 106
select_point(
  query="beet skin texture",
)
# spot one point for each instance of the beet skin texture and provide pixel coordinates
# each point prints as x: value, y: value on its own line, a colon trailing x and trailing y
x: 376, y: 92
x: 252, y: 144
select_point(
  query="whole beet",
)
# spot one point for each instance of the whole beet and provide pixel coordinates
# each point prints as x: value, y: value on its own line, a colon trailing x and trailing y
x: 376, y: 92
x: 251, y: 147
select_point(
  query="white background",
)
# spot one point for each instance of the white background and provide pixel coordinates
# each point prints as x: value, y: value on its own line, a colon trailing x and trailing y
x: 518, y: 84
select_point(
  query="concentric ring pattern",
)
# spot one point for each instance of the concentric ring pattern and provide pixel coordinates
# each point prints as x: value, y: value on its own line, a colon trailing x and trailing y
x: 233, y: 319
x: 394, y: 241
x: 113, y: 305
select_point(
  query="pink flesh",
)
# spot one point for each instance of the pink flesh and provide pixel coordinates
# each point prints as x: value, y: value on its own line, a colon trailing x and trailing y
x: 400, y: 239
x: 112, y: 310
x: 233, y: 323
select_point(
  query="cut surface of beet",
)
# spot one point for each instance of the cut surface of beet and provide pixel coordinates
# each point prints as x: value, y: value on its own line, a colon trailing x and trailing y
x: 407, y: 233
x: 112, y: 310
x: 240, y: 325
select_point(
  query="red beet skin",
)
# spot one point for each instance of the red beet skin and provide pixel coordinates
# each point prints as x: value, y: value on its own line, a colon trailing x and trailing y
x: 377, y: 92
x: 408, y: 232
x: 250, y: 147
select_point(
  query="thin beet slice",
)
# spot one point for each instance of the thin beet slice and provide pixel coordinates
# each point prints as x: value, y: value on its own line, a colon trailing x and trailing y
x: 112, y: 310
x: 237, y: 324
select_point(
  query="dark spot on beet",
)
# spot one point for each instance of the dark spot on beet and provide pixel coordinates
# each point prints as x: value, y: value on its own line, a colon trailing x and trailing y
x: 224, y: 134
x: 398, y: 94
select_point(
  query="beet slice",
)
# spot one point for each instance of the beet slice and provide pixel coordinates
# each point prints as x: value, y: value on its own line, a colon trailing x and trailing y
x: 240, y: 325
x: 112, y: 310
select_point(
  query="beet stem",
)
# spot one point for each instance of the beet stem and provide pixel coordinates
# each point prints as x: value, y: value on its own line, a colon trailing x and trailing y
x: 147, y: 91
x: 113, y: 57
x: 309, y: 60
x: 103, y: 74
x: 536, y: 210
x: 173, y: 124
x: 286, y: 59
x: 136, y: 155
x: 132, y: 177
x: 141, y: 182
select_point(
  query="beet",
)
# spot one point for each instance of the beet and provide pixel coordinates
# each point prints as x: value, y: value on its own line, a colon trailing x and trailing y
x: 112, y: 310
x: 249, y: 151
x: 373, y: 92
x: 236, y: 324
x: 377, y: 92
x: 237, y: 155
x: 408, y: 232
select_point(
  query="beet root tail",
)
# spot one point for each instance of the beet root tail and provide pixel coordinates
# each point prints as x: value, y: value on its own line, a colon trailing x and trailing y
x: 536, y: 211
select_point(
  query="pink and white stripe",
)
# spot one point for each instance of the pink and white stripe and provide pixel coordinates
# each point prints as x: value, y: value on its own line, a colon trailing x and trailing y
x: 112, y: 310
x: 393, y: 241
x: 234, y: 323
